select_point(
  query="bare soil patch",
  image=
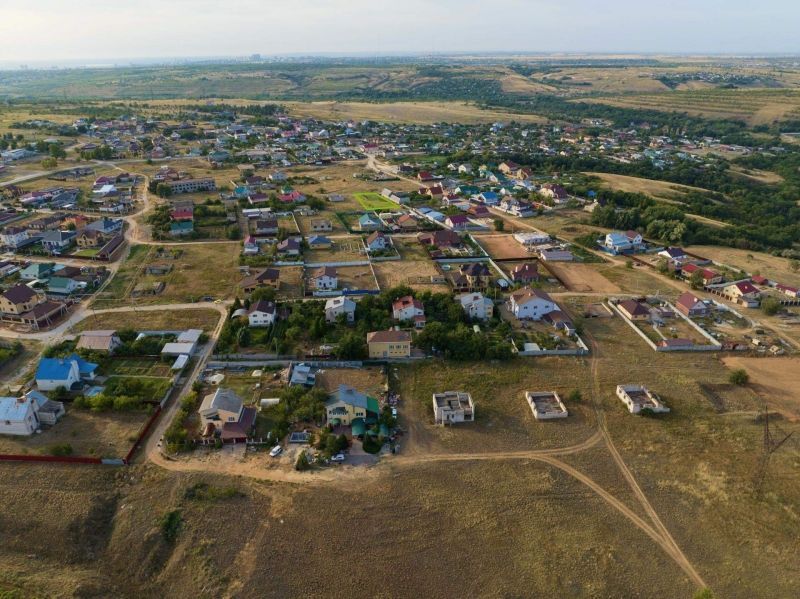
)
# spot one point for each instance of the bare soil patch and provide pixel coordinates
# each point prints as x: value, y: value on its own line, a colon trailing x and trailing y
x: 776, y: 379
x: 502, y: 246
x: 408, y: 272
x: 152, y: 320
x: 582, y: 278
x: 365, y: 380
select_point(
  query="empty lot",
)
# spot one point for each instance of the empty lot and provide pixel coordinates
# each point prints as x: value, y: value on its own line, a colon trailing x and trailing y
x: 582, y: 278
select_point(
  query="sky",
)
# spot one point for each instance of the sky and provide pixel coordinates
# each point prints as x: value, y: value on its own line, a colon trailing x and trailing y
x: 95, y: 30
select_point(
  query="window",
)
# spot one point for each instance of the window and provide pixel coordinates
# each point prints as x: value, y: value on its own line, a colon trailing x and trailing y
x: 231, y: 419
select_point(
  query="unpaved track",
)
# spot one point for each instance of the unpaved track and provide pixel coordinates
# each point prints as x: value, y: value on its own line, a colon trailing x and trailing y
x: 667, y: 542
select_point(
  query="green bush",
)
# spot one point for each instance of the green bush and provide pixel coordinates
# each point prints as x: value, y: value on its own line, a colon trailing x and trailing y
x: 302, y: 462
x: 59, y: 451
x: 739, y: 377
x: 170, y: 524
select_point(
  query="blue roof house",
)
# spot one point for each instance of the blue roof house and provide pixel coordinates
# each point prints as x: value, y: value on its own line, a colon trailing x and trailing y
x: 67, y: 372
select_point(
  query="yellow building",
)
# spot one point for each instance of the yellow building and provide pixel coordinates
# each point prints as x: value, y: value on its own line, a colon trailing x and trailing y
x: 89, y: 238
x: 389, y: 344
x: 347, y: 405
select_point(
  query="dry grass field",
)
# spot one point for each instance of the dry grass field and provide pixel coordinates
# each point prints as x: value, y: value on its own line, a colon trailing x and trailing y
x: 657, y: 189
x: 753, y: 106
x: 406, y: 272
x: 356, y: 277
x: 582, y: 278
x: 367, y: 380
x: 775, y: 379
x: 502, y: 246
x: 19, y: 368
x: 405, y: 112
x: 292, y: 284
x: 90, y: 434
x: 151, y: 320
x: 349, y: 249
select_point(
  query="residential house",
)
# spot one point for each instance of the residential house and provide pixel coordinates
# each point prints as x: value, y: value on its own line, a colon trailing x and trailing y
x: 525, y: 273
x: 92, y: 238
x: 620, y: 241
x: 62, y: 285
x: 509, y: 167
x: 348, y: 407
x: 531, y: 303
x: 440, y: 239
x: 57, y: 240
x: 267, y: 227
x: 476, y: 305
x: 340, y: 305
x: 489, y: 198
x: 180, y: 228
x: 389, y: 344
x: 223, y: 413
x: 457, y: 221
x: 472, y: 275
x: 289, y: 247
x: 17, y: 416
x: 691, y: 305
x: 743, y: 290
x: 250, y: 247
x: 634, y: 310
x: 19, y: 300
x: 321, y: 224
x: 14, y: 237
x: 261, y: 314
x: 324, y: 278
x: 674, y: 255
x: 560, y: 321
x: 554, y: 191
x: 268, y: 277
x: 64, y: 372
x: 709, y: 276
x: 410, y: 309
x: 377, y: 241
x: 792, y: 292
x: 100, y: 341
x: 36, y: 271
x: 369, y: 222
x: 453, y: 406
x: 319, y: 242
x: 408, y: 222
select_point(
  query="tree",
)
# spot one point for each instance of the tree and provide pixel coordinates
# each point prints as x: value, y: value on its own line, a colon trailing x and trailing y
x: 243, y: 337
x: 351, y: 347
x: 704, y: 594
x: 49, y: 163
x: 739, y: 377
x: 163, y: 190
x: 71, y: 226
x: 794, y: 265
x: 302, y: 462
x: 57, y: 152
x: 771, y: 306
x: 696, y: 280
x: 342, y: 443
x: 499, y: 224
x: 262, y: 293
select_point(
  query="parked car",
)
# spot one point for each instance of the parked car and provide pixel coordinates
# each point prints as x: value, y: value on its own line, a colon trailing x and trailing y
x: 394, y: 412
x: 339, y: 457
x: 276, y: 451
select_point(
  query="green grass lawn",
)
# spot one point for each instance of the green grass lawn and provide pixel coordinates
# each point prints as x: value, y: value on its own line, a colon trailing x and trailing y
x: 374, y: 201
x: 90, y: 253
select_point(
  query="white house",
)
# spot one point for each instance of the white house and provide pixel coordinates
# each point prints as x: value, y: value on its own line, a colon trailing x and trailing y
x: 17, y: 416
x: 340, y: 305
x: 13, y: 236
x: 406, y: 308
x: 532, y: 238
x: 621, y: 241
x: 377, y: 241
x: 261, y: 314
x: 325, y: 278
x: 476, y: 305
x: 531, y: 303
x: 57, y: 372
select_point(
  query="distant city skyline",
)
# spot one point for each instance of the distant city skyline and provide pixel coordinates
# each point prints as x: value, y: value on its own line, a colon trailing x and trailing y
x: 88, y: 31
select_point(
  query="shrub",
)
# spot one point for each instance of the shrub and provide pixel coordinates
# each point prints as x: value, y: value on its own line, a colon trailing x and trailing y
x: 302, y: 462
x: 770, y: 306
x: 59, y: 451
x: 739, y: 377
x: 170, y: 524
x: 575, y: 395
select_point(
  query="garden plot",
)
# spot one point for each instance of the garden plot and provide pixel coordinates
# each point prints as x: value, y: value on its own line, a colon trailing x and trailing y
x: 146, y: 367
x: 337, y: 228
x: 342, y: 250
x: 369, y: 380
x: 582, y: 278
x: 292, y: 285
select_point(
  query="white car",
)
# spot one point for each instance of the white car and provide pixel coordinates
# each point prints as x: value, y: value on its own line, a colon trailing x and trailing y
x: 339, y: 457
x: 276, y: 451
x: 394, y: 412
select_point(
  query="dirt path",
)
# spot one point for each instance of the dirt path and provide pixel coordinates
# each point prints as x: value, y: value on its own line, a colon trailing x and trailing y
x: 667, y: 542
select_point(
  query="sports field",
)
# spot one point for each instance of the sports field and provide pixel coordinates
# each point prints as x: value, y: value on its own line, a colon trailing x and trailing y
x: 374, y: 201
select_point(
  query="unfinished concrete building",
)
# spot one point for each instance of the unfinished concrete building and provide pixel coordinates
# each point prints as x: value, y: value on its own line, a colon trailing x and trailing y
x: 638, y: 398
x: 453, y: 406
x: 546, y: 405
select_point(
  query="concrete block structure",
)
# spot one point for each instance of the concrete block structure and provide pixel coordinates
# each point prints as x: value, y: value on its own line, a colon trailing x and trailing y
x: 639, y: 397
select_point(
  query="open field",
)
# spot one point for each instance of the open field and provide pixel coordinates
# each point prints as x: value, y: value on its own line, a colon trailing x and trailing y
x: 754, y: 107
x: 91, y: 434
x: 392, y: 274
x: 641, y: 280
x: 337, y: 228
x: 658, y: 189
x: 502, y: 246
x: 406, y: 112
x: 367, y: 380
x: 292, y: 284
x: 341, y: 250
x: 20, y: 367
x: 498, y: 392
x: 776, y: 379
x: 151, y: 320
x: 582, y: 278
x: 767, y: 177
x: 374, y: 201
x: 356, y: 277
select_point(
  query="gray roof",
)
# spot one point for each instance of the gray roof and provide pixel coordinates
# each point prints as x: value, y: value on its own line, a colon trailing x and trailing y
x: 349, y: 396
x: 190, y: 336
x: 222, y: 399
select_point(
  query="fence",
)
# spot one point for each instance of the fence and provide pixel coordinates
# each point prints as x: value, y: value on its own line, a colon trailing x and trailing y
x: 143, y: 434
x: 581, y: 351
x: 252, y: 357
x: 658, y: 348
x: 353, y: 263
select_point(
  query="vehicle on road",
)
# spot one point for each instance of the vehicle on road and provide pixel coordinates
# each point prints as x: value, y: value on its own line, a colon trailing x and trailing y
x: 339, y: 457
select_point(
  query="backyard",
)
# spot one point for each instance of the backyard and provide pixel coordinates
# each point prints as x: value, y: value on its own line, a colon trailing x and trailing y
x: 374, y: 201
